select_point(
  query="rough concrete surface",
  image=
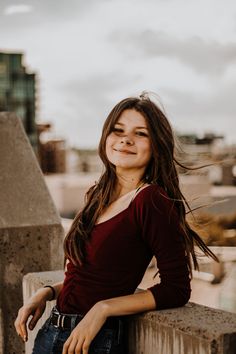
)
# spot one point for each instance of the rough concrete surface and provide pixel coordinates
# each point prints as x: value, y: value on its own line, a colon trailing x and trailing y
x: 31, y: 283
x: 192, y: 329
x: 30, y: 227
x: 25, y: 199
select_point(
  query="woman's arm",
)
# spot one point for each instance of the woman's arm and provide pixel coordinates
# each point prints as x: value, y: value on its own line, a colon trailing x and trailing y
x: 163, y: 234
x: 57, y: 288
x: 34, y: 307
x: 127, y: 305
x: 83, y: 334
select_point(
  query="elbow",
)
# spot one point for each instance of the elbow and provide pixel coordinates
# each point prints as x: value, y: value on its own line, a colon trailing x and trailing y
x: 170, y: 297
x: 183, y: 297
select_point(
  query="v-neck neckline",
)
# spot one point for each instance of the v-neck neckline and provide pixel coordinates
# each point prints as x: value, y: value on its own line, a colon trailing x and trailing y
x: 125, y: 209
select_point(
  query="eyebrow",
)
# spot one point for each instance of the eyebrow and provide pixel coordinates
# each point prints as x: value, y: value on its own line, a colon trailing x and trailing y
x: 135, y: 127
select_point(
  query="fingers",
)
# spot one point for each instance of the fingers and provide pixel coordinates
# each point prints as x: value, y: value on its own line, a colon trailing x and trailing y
x: 20, y: 324
x: 35, y: 318
x: 80, y: 349
x: 68, y: 346
x: 85, y: 348
x: 74, y: 346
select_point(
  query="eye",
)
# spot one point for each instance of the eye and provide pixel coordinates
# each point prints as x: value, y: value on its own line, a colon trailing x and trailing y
x: 117, y: 130
x: 140, y: 133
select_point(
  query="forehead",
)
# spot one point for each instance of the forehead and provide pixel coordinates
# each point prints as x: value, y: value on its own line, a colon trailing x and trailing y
x: 132, y: 117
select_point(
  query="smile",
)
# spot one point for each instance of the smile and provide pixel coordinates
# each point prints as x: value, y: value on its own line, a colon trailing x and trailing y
x: 125, y: 152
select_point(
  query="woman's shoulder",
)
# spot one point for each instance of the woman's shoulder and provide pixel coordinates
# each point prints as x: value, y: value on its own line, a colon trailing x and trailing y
x: 149, y: 190
x: 153, y: 200
x: 153, y: 196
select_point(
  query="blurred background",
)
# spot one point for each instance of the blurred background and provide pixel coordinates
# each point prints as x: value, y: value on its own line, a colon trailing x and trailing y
x: 63, y: 66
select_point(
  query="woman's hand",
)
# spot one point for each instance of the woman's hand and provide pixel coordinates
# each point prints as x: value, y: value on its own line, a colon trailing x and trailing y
x: 83, y: 334
x: 35, y: 307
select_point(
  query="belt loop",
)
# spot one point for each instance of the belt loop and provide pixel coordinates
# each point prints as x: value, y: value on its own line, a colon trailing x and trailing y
x: 73, y: 322
x: 62, y: 321
x: 58, y: 320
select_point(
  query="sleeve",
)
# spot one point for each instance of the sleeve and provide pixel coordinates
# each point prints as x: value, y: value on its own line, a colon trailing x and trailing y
x: 162, y: 233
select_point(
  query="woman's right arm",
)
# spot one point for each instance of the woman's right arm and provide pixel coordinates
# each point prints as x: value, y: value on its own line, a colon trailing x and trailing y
x: 34, y: 307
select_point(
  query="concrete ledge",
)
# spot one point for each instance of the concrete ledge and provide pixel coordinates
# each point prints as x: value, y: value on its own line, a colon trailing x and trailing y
x: 31, y: 283
x: 192, y: 329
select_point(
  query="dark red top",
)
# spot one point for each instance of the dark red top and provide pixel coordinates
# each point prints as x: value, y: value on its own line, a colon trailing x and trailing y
x: 120, y: 250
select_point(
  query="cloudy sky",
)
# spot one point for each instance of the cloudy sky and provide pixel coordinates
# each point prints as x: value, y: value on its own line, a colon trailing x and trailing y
x: 89, y: 54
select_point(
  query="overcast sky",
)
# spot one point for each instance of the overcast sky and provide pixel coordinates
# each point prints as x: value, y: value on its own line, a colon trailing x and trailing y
x: 89, y: 54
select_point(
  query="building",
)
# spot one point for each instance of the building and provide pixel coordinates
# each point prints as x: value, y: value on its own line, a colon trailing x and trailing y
x: 195, y: 148
x: 51, y: 152
x: 18, y: 93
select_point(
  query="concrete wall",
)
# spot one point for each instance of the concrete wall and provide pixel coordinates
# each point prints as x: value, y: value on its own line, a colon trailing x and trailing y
x: 30, y: 228
x: 192, y: 329
x: 30, y: 284
x: 68, y: 190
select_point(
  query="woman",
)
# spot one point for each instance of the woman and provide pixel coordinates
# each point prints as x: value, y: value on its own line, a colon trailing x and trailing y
x: 135, y: 211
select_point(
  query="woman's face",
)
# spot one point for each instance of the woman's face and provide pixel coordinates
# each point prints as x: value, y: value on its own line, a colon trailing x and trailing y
x: 128, y: 145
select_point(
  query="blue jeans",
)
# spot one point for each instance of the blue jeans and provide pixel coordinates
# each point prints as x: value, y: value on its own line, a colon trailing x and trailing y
x: 50, y: 340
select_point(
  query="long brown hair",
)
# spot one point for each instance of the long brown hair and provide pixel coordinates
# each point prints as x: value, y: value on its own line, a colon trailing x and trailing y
x: 161, y: 170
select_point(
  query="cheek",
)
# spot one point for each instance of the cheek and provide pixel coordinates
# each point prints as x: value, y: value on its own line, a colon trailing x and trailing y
x: 147, y: 150
x: 109, y: 140
x: 108, y: 145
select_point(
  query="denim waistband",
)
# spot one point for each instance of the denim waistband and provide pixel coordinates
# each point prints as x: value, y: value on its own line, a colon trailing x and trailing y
x: 64, y: 320
x: 111, y: 322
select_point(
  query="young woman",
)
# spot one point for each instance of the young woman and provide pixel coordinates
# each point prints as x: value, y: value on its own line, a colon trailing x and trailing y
x: 136, y: 210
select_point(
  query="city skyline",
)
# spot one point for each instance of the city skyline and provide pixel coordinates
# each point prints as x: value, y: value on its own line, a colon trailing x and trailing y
x: 89, y: 55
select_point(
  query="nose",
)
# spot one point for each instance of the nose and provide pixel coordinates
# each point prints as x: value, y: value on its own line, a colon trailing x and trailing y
x: 127, y: 140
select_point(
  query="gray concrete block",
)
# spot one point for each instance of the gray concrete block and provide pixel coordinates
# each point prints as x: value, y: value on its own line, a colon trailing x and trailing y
x: 25, y: 199
x: 192, y: 329
x: 30, y: 227
x: 31, y: 283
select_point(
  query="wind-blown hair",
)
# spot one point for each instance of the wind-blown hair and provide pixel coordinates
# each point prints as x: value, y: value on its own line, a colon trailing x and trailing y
x: 161, y: 170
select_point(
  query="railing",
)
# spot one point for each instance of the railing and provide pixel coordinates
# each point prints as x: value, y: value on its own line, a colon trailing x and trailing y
x: 192, y: 329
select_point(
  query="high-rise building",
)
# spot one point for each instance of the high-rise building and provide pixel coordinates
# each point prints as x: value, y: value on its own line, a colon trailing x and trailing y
x: 18, y: 93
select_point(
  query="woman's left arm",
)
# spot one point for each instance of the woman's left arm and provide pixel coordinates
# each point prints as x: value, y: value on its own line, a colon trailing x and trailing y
x: 130, y: 304
x: 83, y: 334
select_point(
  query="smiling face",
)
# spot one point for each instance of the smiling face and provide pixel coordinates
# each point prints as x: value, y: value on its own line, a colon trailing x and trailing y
x: 128, y: 145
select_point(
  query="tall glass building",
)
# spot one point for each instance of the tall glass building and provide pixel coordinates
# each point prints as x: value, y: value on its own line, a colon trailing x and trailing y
x: 18, y: 93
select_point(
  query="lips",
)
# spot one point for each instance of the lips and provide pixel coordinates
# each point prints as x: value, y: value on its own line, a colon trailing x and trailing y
x: 125, y: 151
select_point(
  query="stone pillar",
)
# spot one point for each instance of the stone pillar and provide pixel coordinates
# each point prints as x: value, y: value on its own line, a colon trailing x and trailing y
x: 227, y: 174
x: 30, y: 229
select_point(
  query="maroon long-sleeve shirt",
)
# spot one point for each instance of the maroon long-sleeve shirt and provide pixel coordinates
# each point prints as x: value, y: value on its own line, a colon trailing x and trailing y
x: 120, y: 250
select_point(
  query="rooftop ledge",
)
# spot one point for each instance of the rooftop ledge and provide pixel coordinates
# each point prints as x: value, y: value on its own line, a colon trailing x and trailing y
x: 192, y: 329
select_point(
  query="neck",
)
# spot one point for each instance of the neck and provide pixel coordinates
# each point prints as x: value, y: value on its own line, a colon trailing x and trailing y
x: 126, y: 182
